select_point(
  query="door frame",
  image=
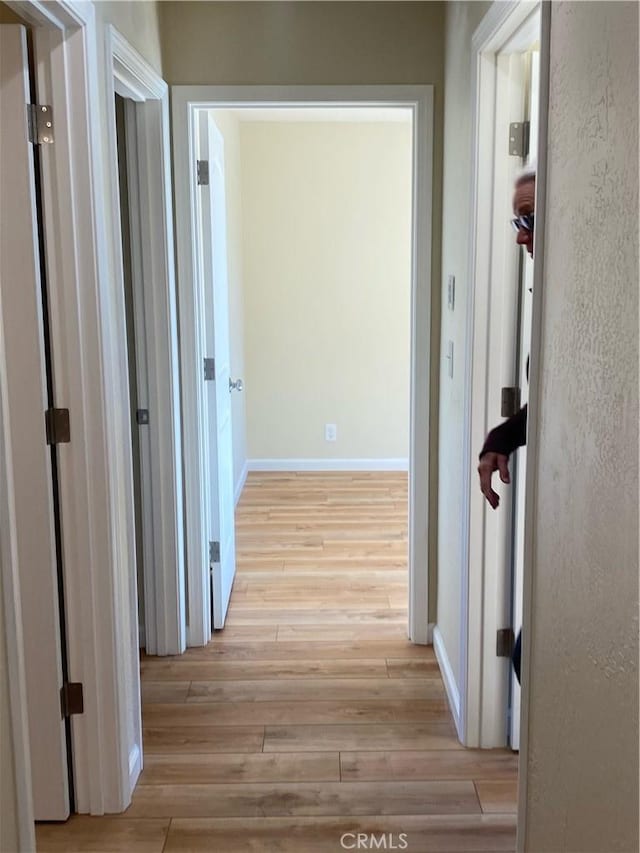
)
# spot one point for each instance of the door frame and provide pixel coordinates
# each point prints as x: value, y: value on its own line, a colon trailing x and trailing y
x: 156, y: 321
x: 75, y: 71
x: 10, y: 605
x: 481, y: 714
x: 186, y: 101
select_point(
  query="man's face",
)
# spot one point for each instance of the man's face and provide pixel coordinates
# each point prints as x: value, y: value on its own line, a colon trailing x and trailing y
x: 524, y: 200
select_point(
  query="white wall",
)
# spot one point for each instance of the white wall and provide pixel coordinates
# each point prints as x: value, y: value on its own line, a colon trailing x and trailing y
x: 327, y: 278
x: 228, y: 125
x: 461, y: 21
x: 582, y: 750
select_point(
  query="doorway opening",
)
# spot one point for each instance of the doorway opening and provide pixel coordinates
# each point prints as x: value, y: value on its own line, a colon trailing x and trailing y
x: 318, y: 247
x: 507, y: 70
x: 193, y: 107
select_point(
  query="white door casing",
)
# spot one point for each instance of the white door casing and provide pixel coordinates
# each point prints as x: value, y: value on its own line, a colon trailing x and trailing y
x: 492, y: 320
x: 187, y: 101
x: 156, y: 323
x: 24, y: 349
x: 217, y: 426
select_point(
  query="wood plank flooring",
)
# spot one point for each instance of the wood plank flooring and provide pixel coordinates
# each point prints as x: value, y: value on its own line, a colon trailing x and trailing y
x: 309, y: 718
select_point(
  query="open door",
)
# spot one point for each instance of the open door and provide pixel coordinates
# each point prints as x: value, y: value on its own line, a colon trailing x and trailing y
x: 217, y: 426
x: 532, y: 61
x: 30, y: 393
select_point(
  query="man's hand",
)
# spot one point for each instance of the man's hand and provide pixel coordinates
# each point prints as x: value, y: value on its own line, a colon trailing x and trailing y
x: 489, y: 463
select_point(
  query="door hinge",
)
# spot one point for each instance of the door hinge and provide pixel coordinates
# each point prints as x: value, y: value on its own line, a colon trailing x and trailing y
x: 505, y: 641
x: 142, y: 416
x: 209, y: 369
x: 214, y: 552
x: 41, y: 129
x: 71, y: 698
x: 519, y: 138
x: 57, y: 426
x: 510, y: 402
x: 202, y: 172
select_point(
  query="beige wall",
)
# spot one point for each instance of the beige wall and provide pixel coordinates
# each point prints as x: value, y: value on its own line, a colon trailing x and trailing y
x: 461, y: 21
x: 138, y: 23
x: 8, y: 16
x: 327, y: 261
x: 227, y: 123
x: 582, y: 757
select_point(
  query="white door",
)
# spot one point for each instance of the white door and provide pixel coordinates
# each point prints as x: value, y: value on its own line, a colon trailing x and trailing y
x: 28, y: 398
x: 520, y: 466
x: 217, y: 422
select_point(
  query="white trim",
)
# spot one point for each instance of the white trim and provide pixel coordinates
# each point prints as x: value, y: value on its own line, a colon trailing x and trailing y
x: 134, y: 77
x: 531, y: 487
x: 446, y: 670
x: 157, y: 335
x: 477, y: 703
x: 92, y: 496
x: 12, y: 619
x: 241, y: 481
x: 75, y: 74
x: 186, y: 101
x: 328, y: 464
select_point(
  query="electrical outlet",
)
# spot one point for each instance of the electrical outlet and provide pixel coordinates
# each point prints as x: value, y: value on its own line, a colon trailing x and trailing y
x: 330, y: 432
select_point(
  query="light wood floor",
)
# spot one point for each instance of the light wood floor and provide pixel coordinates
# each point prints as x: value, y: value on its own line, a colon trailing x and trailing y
x: 310, y: 716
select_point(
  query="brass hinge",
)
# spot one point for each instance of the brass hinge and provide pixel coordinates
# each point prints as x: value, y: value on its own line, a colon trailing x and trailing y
x: 505, y: 641
x: 57, y: 426
x: 71, y: 698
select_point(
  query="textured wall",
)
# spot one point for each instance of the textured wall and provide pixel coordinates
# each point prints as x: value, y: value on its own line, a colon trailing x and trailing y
x: 461, y: 22
x: 582, y: 762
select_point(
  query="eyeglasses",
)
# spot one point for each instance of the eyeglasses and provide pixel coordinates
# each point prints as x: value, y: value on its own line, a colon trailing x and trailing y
x: 523, y: 223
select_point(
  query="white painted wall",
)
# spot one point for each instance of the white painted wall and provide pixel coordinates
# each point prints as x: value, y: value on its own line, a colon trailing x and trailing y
x: 461, y: 21
x: 327, y: 280
x: 582, y: 736
x: 228, y: 126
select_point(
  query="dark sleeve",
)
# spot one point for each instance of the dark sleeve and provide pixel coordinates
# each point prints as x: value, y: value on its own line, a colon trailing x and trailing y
x: 510, y: 435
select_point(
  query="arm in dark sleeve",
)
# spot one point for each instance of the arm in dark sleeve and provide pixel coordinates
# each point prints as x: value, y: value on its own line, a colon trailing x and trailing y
x: 510, y: 435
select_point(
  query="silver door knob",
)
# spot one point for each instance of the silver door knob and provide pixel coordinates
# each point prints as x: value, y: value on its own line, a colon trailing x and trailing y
x: 235, y: 385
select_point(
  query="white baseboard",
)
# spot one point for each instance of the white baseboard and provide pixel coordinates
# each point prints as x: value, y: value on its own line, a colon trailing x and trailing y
x: 241, y: 482
x: 451, y: 687
x: 328, y: 464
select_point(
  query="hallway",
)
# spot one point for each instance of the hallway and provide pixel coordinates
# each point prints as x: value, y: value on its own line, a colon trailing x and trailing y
x: 310, y: 718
